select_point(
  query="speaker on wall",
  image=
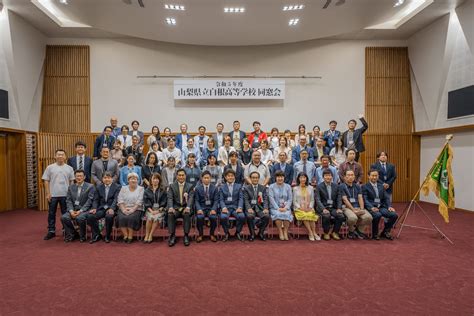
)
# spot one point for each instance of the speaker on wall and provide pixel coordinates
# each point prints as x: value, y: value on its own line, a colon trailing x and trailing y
x: 4, y: 104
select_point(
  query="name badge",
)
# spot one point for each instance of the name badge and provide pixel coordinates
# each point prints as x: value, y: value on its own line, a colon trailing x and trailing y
x: 208, y: 202
x: 351, y: 142
x: 385, y: 178
x: 106, y: 207
x: 76, y: 203
x: 352, y: 200
x: 192, y: 179
x: 377, y: 200
x: 253, y: 202
x: 329, y: 202
x: 229, y: 199
x: 156, y: 206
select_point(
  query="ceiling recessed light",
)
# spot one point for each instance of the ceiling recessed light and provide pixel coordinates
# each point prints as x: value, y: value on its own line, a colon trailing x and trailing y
x: 176, y: 7
x: 293, y: 22
x: 171, y: 21
x: 234, y: 10
x: 293, y: 7
x: 398, y: 3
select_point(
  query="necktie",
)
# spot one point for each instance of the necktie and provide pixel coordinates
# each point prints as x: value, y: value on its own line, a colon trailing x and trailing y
x: 105, y: 162
x: 180, y: 194
x: 106, y: 193
x: 376, y: 190
x: 384, y: 167
x: 255, y: 191
x: 81, y: 163
x: 206, y: 191
x: 304, y: 167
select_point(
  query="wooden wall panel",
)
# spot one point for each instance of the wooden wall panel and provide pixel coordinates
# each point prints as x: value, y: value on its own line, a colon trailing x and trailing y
x: 389, y: 112
x: 66, y: 90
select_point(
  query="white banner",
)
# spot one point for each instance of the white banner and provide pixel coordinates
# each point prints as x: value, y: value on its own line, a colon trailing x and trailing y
x: 229, y: 89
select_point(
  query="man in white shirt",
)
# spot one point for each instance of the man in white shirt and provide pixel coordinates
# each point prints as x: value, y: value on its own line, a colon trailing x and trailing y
x: 57, y: 177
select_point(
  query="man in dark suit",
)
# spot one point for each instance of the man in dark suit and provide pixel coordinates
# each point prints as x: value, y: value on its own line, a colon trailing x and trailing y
x: 231, y: 202
x: 256, y: 206
x: 103, y: 164
x: 180, y: 201
x: 352, y: 138
x: 104, y: 205
x: 182, y: 138
x: 104, y: 140
x: 295, y: 154
x: 206, y: 202
x: 81, y: 161
x: 377, y: 203
x: 286, y: 168
x: 329, y: 205
x: 331, y: 135
x: 235, y: 165
x: 237, y: 136
x: 79, y: 200
x: 387, y: 173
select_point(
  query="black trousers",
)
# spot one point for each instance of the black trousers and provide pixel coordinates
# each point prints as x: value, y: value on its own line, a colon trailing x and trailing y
x: 262, y: 224
x: 93, y: 221
x: 200, y: 222
x: 53, y: 205
x: 172, y: 217
x: 336, y: 218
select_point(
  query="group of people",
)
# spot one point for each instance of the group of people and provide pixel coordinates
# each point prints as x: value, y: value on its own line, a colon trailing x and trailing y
x: 222, y: 178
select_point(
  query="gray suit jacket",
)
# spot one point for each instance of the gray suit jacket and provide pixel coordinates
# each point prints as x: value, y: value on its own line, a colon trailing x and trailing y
x: 84, y: 200
x: 214, y: 135
x: 98, y: 170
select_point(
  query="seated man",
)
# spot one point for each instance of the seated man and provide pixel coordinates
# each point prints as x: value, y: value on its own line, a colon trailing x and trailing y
x: 79, y: 200
x: 180, y: 200
x: 354, y: 210
x: 231, y: 202
x: 256, y: 204
x: 206, y: 199
x: 282, y: 165
x: 329, y: 204
x: 104, y: 204
x: 377, y: 203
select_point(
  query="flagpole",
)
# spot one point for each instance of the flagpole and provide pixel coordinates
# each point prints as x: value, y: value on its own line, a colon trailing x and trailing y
x: 413, y: 201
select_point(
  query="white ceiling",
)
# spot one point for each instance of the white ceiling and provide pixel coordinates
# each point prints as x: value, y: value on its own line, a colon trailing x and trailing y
x: 205, y: 23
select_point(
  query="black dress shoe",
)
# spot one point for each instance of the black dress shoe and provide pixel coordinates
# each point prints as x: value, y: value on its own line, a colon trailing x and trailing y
x: 129, y: 241
x: 375, y: 237
x: 82, y: 239
x: 95, y: 239
x: 172, y: 241
x: 49, y: 235
x: 351, y: 235
x: 186, y: 240
x: 68, y: 239
x: 239, y: 236
x: 107, y: 240
x: 387, y: 235
x: 226, y: 237
x: 251, y: 238
x: 261, y: 235
x: 361, y: 234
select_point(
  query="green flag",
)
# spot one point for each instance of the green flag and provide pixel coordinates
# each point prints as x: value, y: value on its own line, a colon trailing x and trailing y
x: 440, y: 181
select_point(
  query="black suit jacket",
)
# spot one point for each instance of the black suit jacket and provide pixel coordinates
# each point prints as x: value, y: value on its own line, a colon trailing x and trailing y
x: 200, y: 197
x: 99, y: 142
x: 249, y: 196
x: 72, y: 161
x: 100, y: 202
x: 173, y: 196
x: 359, y: 145
x: 386, y: 177
x: 369, y: 196
x: 239, y: 174
x: 322, y: 197
x: 159, y: 196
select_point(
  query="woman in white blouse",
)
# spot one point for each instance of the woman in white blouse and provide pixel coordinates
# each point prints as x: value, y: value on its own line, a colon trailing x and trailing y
x: 291, y: 142
x: 224, y: 151
x: 283, y: 147
x: 125, y: 138
x: 338, y: 153
x: 301, y: 132
x: 130, y: 203
x: 154, y: 137
x: 273, y: 138
x: 267, y: 155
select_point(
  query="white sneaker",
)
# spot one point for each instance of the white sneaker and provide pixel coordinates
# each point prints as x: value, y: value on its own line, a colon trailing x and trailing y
x: 311, y: 238
x: 317, y: 237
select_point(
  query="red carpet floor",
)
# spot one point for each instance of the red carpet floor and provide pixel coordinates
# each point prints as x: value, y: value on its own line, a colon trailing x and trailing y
x: 416, y: 274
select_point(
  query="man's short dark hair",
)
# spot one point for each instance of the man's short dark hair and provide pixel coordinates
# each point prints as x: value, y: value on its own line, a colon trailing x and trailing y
x: 180, y: 170
x: 108, y: 127
x: 256, y: 122
x: 382, y: 152
x: 253, y: 172
x: 230, y: 170
x: 205, y: 173
x: 327, y: 171
x: 79, y: 171
x: 135, y: 121
x: 60, y: 150
x: 325, y: 157
x: 373, y: 170
x: 107, y: 174
x: 332, y: 122
x: 80, y: 143
x: 352, y: 120
x: 352, y: 149
x: 279, y: 173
